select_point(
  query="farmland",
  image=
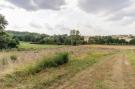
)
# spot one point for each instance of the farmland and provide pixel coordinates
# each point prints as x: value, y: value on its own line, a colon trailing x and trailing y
x: 67, y: 44
x: 88, y: 67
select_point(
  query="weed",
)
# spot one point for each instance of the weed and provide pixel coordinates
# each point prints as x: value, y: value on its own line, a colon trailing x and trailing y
x: 13, y: 58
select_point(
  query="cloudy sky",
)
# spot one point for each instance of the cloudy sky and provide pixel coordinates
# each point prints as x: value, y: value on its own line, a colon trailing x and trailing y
x: 91, y: 17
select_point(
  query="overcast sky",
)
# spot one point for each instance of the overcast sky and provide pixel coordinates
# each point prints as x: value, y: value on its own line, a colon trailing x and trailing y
x: 90, y: 17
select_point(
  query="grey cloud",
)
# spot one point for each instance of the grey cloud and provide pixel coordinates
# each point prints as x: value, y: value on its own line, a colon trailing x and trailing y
x: 26, y: 4
x: 5, y: 6
x: 50, y: 4
x: 114, y: 10
x: 122, y: 14
x: 103, y: 5
x: 38, y: 4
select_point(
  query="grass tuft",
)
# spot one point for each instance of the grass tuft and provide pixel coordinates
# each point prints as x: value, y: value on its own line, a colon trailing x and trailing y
x: 54, y: 61
x: 13, y: 58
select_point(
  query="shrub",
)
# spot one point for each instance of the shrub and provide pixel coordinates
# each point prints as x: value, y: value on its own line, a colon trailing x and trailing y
x: 13, y: 58
x: 13, y: 43
x: 54, y: 61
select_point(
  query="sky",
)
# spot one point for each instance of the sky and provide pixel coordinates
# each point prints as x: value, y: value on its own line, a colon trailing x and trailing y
x: 90, y: 17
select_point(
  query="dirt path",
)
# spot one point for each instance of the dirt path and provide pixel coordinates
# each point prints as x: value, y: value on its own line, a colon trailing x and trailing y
x: 113, y: 73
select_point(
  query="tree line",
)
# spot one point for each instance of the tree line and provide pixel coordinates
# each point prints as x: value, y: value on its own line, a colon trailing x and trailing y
x: 10, y: 39
x: 35, y: 38
x: 73, y: 39
x: 109, y: 40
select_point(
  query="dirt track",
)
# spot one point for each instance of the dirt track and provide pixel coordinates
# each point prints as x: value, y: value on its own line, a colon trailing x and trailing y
x: 112, y: 73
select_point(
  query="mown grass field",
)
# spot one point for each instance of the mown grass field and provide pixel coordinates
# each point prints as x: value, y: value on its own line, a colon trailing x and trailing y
x: 40, y: 69
x: 28, y: 46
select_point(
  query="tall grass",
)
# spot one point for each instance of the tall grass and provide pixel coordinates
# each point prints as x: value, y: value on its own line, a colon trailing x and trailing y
x: 54, y: 61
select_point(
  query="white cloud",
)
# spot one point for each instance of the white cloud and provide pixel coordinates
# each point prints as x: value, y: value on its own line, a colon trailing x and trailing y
x: 91, y: 17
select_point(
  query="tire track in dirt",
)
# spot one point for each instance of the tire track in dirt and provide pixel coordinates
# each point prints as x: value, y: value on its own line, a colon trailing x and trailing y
x: 122, y: 75
x: 113, y: 73
x: 87, y: 78
x: 116, y: 78
x: 129, y: 75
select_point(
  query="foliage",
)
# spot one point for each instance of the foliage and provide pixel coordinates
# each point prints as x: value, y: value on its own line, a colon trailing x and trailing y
x: 132, y: 42
x: 106, y: 40
x: 27, y: 36
x: 76, y: 38
x: 35, y: 38
x: 3, y: 22
x: 6, y: 41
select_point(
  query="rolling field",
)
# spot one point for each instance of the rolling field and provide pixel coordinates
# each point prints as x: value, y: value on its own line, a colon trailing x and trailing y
x: 68, y: 67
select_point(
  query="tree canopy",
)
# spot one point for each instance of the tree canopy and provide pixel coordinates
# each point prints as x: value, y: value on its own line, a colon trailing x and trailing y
x: 6, y: 41
x: 3, y: 22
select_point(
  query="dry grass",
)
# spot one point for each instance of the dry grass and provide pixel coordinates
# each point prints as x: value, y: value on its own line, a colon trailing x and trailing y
x: 80, y: 58
x: 120, y: 47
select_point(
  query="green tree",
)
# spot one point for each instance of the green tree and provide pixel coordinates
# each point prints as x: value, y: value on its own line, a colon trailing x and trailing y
x: 3, y: 22
x: 132, y: 42
x: 6, y: 41
x: 76, y: 38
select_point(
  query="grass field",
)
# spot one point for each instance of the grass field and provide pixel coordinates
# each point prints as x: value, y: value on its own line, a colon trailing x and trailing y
x: 27, y: 46
x: 88, y: 67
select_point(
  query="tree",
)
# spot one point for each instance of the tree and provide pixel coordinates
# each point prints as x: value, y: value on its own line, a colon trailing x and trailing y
x: 132, y: 42
x: 76, y: 38
x: 6, y: 41
x: 106, y: 40
x: 3, y: 22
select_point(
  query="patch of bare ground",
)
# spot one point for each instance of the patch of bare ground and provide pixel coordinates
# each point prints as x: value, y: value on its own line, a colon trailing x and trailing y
x: 113, y: 73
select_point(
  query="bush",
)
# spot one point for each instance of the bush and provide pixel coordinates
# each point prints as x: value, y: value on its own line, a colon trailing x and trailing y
x: 13, y: 58
x: 56, y: 60
x: 13, y: 43
x: 6, y: 41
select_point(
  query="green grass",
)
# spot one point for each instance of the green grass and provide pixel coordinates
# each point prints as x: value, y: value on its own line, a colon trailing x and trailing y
x: 28, y: 46
x: 131, y: 56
